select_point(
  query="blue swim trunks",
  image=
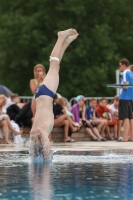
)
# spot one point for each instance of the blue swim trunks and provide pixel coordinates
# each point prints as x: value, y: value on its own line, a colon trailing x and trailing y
x: 43, y: 90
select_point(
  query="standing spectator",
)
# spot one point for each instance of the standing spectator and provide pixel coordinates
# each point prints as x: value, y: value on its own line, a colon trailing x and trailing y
x: 125, y: 101
x: 102, y: 108
x: 39, y: 75
x: 130, y: 139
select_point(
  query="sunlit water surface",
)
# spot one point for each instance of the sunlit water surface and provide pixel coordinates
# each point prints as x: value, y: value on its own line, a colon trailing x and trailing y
x: 67, y: 177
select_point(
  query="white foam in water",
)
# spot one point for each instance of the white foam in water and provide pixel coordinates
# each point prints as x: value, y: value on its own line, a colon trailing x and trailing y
x: 36, y: 152
x: 14, y: 159
x: 106, y: 158
x: 40, y: 158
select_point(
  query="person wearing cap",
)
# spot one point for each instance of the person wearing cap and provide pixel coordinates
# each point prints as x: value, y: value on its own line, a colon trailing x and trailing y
x: 78, y: 110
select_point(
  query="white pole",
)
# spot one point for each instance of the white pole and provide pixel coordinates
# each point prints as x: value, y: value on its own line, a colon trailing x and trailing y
x: 117, y: 80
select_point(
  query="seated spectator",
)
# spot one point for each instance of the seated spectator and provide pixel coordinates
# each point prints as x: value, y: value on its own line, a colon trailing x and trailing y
x: 5, y: 123
x: 80, y: 116
x: 114, y: 112
x: 62, y: 103
x: 24, y: 118
x: 13, y: 109
x: 102, y: 108
x: 61, y: 119
x: 8, y: 103
x: 92, y: 115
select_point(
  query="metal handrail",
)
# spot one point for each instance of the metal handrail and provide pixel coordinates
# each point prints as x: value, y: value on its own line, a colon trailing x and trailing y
x: 71, y: 101
x: 25, y: 98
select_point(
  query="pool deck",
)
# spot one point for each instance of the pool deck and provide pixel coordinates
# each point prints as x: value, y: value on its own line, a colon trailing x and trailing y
x: 89, y: 146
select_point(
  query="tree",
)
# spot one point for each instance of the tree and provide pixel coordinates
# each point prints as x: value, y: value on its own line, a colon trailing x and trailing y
x: 28, y: 32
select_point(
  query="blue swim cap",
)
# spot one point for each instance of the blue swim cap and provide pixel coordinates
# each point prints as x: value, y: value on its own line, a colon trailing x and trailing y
x: 79, y: 97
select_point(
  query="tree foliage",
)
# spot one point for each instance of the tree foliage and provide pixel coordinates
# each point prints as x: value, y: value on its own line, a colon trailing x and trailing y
x: 28, y: 31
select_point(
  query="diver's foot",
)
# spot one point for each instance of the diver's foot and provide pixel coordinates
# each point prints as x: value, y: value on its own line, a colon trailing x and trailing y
x: 69, y: 39
x: 67, y: 33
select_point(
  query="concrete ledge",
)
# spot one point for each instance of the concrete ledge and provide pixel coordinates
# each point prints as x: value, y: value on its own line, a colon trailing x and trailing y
x: 57, y: 135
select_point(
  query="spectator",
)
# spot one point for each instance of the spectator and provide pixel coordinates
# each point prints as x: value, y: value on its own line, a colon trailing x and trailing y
x: 8, y: 103
x: 13, y: 109
x: 79, y: 110
x: 62, y: 103
x: 102, y: 108
x: 114, y: 112
x: 39, y: 75
x: 24, y: 118
x: 92, y: 115
x: 125, y: 101
x: 61, y: 119
x: 5, y: 123
x: 130, y: 138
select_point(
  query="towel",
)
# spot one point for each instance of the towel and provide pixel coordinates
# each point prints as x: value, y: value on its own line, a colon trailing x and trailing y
x: 16, y: 138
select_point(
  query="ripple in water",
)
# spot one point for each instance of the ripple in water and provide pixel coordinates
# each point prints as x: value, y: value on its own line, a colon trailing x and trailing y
x: 78, y: 177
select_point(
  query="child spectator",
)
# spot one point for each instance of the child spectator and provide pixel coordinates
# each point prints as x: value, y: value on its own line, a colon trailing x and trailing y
x: 114, y: 113
x: 24, y: 118
x: 126, y: 101
x: 80, y: 116
x: 62, y: 103
x: 13, y: 109
x: 5, y: 123
x: 61, y: 119
x: 102, y: 108
x: 92, y: 115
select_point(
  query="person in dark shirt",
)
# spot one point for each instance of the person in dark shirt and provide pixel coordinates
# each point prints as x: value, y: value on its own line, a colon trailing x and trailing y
x: 13, y: 110
x: 61, y: 119
x: 24, y: 118
x: 22, y: 115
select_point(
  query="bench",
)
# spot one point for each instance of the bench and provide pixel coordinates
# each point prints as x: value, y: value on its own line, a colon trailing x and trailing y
x: 58, y: 135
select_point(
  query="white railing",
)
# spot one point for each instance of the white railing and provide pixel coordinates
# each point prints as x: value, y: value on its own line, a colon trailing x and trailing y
x: 71, y: 101
x: 25, y: 98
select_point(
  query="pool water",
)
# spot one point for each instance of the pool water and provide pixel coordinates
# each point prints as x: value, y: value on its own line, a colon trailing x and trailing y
x: 68, y: 177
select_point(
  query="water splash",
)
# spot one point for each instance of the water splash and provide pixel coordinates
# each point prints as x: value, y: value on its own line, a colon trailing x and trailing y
x: 13, y: 159
x: 36, y: 152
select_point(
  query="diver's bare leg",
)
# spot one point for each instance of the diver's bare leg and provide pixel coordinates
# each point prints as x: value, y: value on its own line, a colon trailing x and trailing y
x: 62, y: 36
x: 52, y: 78
x: 66, y: 43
